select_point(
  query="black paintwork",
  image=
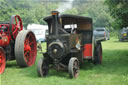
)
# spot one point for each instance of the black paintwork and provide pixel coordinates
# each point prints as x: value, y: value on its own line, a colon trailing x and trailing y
x: 61, y: 42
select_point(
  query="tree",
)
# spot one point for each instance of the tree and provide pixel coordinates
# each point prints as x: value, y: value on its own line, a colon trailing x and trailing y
x: 95, y: 9
x: 30, y: 11
x: 33, y: 11
x: 119, y: 11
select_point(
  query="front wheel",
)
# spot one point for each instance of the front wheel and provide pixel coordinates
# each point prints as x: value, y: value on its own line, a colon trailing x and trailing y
x: 42, y: 68
x: 98, y: 54
x: 73, y: 67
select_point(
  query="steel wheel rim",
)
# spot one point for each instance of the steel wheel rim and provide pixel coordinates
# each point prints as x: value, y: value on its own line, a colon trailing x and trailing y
x: 30, y: 49
x: 75, y: 69
x: 44, y: 70
x: 2, y: 61
x: 15, y: 28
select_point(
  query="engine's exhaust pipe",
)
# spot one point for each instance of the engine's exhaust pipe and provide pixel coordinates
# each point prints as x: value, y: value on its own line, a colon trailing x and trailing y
x: 55, y: 22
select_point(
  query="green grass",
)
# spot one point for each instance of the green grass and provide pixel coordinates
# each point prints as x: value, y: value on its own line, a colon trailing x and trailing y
x: 113, y: 71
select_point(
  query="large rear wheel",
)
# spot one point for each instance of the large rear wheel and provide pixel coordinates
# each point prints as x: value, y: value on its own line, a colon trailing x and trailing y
x: 25, y: 48
x: 98, y: 54
x: 2, y: 60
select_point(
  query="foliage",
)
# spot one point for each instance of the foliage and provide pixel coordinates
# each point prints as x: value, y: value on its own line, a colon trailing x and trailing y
x: 95, y: 9
x: 119, y: 10
x: 30, y: 11
x: 33, y: 11
x: 71, y: 11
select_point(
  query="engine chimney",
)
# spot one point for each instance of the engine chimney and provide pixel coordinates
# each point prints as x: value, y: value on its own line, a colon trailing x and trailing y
x: 55, y: 22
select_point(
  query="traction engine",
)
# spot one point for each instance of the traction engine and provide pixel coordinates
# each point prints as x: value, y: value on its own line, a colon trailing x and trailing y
x: 69, y: 43
x: 16, y: 43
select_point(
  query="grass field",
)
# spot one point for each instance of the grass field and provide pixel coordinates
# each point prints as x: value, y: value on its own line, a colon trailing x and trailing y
x: 113, y: 71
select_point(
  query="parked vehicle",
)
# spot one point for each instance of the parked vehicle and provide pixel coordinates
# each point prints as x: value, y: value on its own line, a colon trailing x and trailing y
x: 16, y: 43
x: 102, y: 32
x: 123, y: 34
x: 67, y: 48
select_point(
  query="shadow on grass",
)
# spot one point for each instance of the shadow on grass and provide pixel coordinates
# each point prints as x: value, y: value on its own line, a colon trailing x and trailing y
x: 32, y: 72
x: 114, y: 62
x: 12, y: 64
x: 117, y: 41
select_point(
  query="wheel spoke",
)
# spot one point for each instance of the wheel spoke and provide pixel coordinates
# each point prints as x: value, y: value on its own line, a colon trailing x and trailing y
x: 31, y: 43
x: 28, y: 37
x: 75, y: 65
x: 13, y: 27
x: 26, y: 41
x: 75, y: 69
x: 27, y: 57
x: 18, y: 26
x: 16, y: 20
x: 15, y: 31
x: 15, y: 34
x: 25, y: 53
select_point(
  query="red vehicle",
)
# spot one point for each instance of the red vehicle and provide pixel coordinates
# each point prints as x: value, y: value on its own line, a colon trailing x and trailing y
x: 16, y: 43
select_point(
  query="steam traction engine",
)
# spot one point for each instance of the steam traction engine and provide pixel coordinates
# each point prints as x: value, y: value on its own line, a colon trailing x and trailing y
x: 69, y: 43
x: 16, y: 43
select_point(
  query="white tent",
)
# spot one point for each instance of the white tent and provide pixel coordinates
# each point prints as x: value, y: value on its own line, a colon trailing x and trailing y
x: 39, y: 30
